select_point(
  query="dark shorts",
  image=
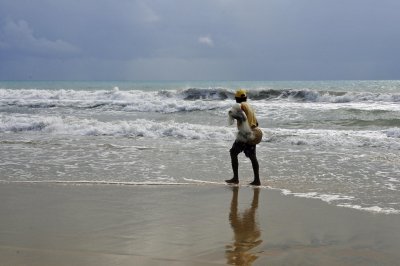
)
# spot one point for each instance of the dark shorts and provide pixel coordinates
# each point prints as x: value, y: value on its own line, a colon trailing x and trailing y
x: 239, y: 146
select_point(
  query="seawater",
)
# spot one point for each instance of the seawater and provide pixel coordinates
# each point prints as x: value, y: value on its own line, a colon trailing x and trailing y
x: 337, y: 141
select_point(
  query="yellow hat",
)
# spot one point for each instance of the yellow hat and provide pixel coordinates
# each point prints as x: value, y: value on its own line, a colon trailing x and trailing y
x: 241, y: 93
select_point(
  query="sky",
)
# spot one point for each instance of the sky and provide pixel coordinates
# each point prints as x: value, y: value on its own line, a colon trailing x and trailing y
x: 199, y: 39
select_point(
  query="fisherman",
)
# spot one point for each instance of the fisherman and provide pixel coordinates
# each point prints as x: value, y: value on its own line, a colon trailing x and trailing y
x: 249, y: 148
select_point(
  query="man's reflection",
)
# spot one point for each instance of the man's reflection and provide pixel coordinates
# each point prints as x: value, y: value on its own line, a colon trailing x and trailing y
x: 246, y: 231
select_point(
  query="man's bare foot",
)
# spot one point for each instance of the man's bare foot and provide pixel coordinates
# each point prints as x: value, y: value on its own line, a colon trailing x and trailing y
x: 255, y: 183
x: 232, y: 181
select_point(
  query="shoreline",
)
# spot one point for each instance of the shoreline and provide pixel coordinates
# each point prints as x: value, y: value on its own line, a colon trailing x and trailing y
x: 326, y: 198
x: 64, y: 224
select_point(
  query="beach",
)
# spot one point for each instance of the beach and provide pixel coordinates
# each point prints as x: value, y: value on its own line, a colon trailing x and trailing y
x: 132, y: 173
x: 204, y: 224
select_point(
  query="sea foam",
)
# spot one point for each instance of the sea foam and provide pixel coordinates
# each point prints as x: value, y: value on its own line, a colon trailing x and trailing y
x: 175, y: 100
x: 158, y: 129
x: 93, y: 127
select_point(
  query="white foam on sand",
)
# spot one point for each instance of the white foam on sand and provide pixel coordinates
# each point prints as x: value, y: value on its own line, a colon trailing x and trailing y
x: 328, y: 198
x: 374, y: 209
x: 336, y: 199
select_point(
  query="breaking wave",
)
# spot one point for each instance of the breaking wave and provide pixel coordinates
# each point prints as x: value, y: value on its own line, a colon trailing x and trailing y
x: 92, y: 127
x: 169, y: 101
x: 159, y: 129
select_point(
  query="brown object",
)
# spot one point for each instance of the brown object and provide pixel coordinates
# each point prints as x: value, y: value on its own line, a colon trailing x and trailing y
x: 257, y: 136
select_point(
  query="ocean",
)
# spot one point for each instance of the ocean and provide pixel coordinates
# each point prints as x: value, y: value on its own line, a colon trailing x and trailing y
x: 335, y: 141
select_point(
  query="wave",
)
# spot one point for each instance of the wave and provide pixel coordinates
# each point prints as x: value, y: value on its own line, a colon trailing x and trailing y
x: 305, y: 95
x: 93, y: 127
x: 55, y: 125
x: 387, y: 139
x: 388, y: 122
x: 169, y: 101
x: 134, y: 100
x: 392, y: 132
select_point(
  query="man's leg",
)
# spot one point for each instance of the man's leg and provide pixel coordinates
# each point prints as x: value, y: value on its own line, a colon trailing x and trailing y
x: 234, y: 151
x: 250, y: 151
x: 254, y: 163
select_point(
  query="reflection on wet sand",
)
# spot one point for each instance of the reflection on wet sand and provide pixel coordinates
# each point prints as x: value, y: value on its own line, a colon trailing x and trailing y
x: 246, y: 231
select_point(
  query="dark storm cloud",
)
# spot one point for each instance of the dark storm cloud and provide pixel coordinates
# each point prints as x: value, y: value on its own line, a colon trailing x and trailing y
x: 210, y: 39
x: 18, y: 40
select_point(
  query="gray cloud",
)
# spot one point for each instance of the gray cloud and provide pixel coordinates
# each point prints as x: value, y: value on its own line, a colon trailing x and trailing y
x: 210, y: 39
x: 18, y: 38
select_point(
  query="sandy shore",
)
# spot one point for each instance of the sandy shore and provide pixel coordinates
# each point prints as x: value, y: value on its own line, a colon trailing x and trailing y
x: 54, y: 224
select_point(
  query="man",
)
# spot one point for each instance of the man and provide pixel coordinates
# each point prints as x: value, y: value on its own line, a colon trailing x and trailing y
x: 239, y: 146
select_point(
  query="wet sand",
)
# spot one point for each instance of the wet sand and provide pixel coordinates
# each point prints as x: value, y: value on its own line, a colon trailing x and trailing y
x: 55, y: 224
